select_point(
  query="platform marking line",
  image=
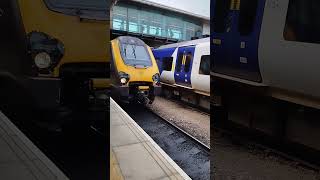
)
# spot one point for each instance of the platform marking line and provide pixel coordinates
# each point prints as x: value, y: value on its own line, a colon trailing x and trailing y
x: 114, y: 166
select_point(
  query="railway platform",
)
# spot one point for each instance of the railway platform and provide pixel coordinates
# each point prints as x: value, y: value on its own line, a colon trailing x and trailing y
x: 134, y: 154
x: 20, y: 159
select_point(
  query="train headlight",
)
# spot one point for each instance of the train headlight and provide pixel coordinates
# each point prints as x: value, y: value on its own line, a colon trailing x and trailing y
x: 156, y: 78
x: 45, y: 50
x: 42, y: 60
x: 124, y: 78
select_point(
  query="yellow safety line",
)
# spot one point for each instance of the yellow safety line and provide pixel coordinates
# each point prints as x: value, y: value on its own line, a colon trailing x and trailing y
x: 115, y: 172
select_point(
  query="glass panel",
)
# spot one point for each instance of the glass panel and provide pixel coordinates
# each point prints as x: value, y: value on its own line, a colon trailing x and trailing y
x: 145, y: 19
x: 302, y: 22
x: 179, y: 62
x: 154, y: 22
x: 220, y: 15
x: 172, y: 28
x: 188, y: 62
x: 91, y: 9
x: 133, y: 20
x: 248, y: 12
x: 190, y: 30
x: 205, y: 65
x: 135, y: 55
x: 167, y: 63
x: 119, y: 21
x: 82, y: 4
x: 157, y: 23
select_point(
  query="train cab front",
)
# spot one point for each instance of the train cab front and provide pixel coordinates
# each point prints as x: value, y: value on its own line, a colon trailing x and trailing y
x: 67, y: 48
x: 64, y: 53
x: 134, y: 72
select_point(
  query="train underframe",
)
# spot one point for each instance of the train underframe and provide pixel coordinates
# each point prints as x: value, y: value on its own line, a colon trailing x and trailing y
x: 250, y: 111
x: 142, y: 93
x: 59, y: 100
x: 190, y: 97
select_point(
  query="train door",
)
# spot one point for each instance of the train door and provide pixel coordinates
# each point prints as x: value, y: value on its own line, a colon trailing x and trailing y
x: 201, y: 69
x: 236, y: 29
x: 182, y: 73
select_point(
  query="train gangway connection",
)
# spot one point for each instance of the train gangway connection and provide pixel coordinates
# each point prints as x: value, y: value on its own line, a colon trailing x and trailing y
x: 20, y: 159
x: 134, y: 154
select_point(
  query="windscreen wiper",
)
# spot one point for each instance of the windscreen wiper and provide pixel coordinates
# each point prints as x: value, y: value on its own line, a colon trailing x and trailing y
x: 134, y: 51
x: 125, y: 50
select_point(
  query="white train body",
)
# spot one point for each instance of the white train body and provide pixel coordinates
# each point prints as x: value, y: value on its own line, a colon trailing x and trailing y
x: 185, y: 67
x: 264, y: 54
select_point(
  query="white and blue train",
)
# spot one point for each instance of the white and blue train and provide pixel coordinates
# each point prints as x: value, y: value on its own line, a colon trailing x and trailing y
x: 185, y: 70
x: 266, y: 68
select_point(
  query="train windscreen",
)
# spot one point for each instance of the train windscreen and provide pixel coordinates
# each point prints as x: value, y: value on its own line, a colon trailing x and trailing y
x: 135, y: 55
x: 96, y: 9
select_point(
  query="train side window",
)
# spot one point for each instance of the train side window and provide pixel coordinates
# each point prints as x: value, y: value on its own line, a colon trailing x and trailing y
x: 302, y: 21
x: 179, y: 62
x: 247, y: 17
x: 205, y: 65
x: 220, y: 15
x: 167, y: 63
x: 188, y: 62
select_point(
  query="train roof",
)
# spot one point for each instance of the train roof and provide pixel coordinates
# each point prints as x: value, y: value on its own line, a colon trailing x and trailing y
x: 186, y: 43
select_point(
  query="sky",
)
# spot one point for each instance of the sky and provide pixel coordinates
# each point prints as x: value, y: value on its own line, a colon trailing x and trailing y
x: 201, y: 7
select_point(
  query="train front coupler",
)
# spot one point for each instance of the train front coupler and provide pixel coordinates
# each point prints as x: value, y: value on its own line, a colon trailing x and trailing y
x: 141, y: 98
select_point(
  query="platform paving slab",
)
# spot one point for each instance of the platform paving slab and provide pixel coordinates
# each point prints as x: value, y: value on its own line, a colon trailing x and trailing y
x: 136, y: 155
x: 20, y: 159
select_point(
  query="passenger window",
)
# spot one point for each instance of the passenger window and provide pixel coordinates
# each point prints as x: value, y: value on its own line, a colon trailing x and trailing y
x: 247, y: 17
x: 302, y: 22
x: 205, y: 65
x: 179, y: 62
x: 187, y: 64
x: 167, y: 63
x: 220, y: 15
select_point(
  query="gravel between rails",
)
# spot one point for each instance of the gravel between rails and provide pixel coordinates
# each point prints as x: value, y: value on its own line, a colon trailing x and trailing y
x: 189, y: 119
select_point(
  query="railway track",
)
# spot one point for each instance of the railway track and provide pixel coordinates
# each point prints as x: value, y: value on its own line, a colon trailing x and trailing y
x: 189, y: 153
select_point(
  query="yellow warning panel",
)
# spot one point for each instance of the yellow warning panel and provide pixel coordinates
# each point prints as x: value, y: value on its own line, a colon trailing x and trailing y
x: 100, y: 83
x: 235, y: 5
x: 143, y: 87
x: 216, y: 41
